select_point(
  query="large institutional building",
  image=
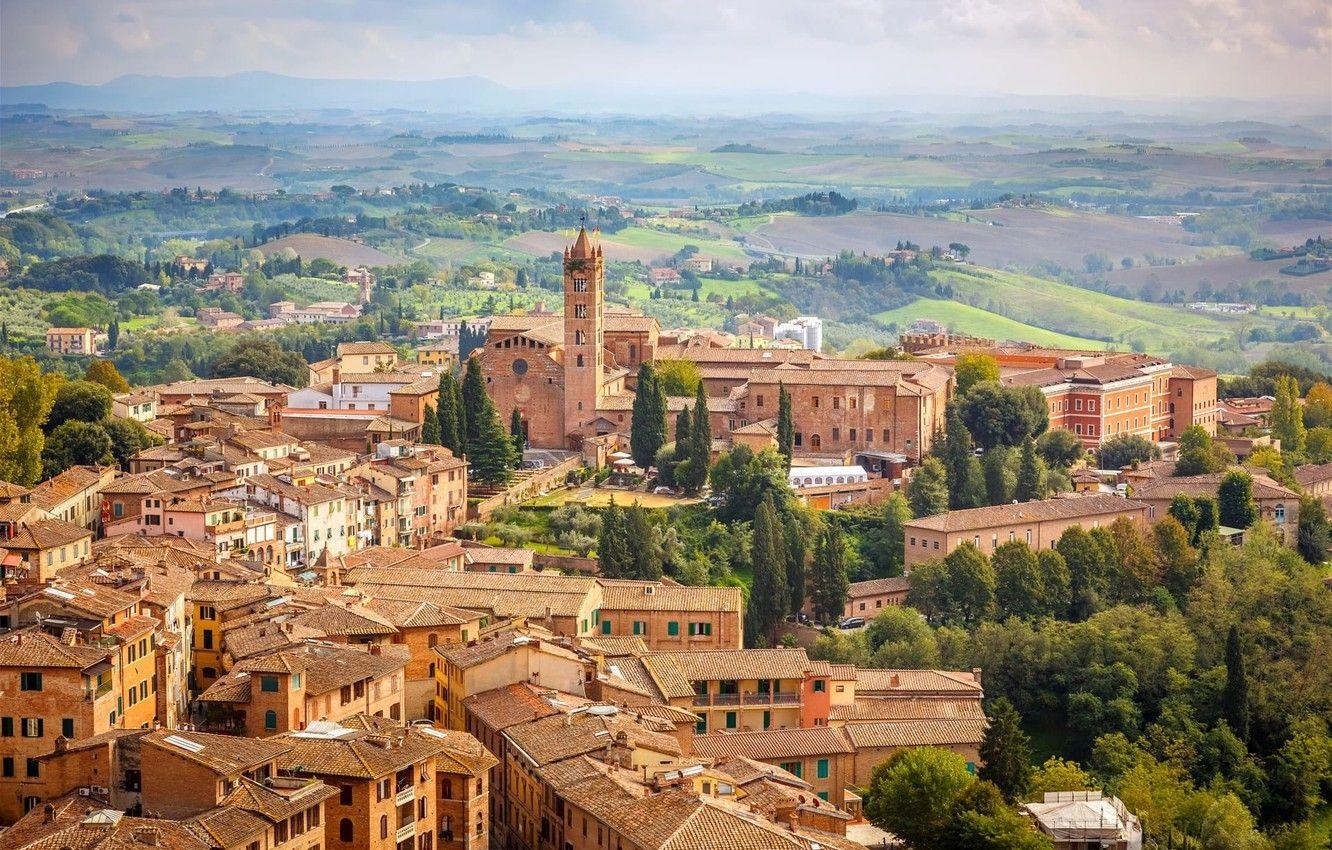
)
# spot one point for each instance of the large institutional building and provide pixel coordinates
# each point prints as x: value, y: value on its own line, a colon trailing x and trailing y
x: 571, y: 377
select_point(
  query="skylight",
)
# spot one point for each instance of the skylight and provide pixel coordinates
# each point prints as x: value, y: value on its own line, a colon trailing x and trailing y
x: 184, y: 743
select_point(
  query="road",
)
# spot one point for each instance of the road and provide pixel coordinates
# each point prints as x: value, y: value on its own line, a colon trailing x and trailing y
x: 23, y: 209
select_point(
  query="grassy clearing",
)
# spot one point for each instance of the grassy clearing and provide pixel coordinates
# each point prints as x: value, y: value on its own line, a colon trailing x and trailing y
x: 1081, y: 312
x: 600, y: 498
x: 972, y: 320
x: 640, y: 237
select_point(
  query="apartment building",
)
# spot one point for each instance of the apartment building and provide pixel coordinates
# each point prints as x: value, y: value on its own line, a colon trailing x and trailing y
x: 212, y: 604
x: 669, y: 616
x: 820, y: 755
x: 416, y: 787
x: 286, y: 689
x: 73, y: 341
x: 503, y: 658
x: 1039, y: 524
x: 1277, y: 503
x: 34, y: 551
x: 429, y: 484
x: 75, y: 495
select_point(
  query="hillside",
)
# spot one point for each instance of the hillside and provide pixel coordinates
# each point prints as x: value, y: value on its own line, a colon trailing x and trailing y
x: 972, y: 320
x: 344, y: 252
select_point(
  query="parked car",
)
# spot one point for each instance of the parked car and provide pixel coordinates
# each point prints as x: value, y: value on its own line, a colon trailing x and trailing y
x: 851, y: 623
x: 663, y: 491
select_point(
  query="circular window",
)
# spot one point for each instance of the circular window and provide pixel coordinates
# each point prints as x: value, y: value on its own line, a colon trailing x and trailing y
x: 520, y: 366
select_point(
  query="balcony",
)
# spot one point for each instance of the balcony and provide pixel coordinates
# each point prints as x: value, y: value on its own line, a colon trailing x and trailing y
x: 759, y: 698
x: 225, y: 527
x: 405, y: 832
x: 405, y: 795
x: 92, y: 695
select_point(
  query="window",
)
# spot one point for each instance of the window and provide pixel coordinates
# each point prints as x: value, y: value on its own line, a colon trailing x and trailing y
x: 383, y: 790
x: 580, y: 311
x: 33, y: 769
x: 67, y: 727
x: 345, y: 830
x: 30, y: 681
x: 7, y: 767
x: 821, y: 769
x: 820, y: 686
x: 345, y: 795
x: 700, y: 629
x: 580, y: 284
x: 793, y: 767
x: 758, y: 400
x: 270, y: 719
x: 1279, y: 513
x: 208, y: 638
x: 32, y: 727
x: 640, y: 627
x: 383, y: 826
x: 268, y: 684
x: 606, y: 627
x: 673, y: 628
x: 701, y: 726
x: 731, y: 720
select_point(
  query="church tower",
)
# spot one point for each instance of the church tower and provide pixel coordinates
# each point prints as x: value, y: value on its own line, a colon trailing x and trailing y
x: 584, y: 323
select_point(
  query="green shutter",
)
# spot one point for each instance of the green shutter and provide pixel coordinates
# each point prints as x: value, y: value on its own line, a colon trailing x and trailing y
x: 605, y: 627
x: 823, y: 768
x: 673, y: 628
x: 730, y: 720
x: 67, y: 727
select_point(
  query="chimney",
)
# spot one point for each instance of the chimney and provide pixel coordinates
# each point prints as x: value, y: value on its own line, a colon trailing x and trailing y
x: 794, y: 820
x: 146, y: 835
x: 976, y: 674
x: 375, y: 649
x: 895, y: 681
x: 48, y: 814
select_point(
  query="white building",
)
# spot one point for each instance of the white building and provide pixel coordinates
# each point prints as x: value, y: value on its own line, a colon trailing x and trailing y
x: 823, y: 476
x: 807, y: 330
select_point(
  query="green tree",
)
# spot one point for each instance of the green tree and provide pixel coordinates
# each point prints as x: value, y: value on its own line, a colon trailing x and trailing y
x: 927, y: 492
x: 128, y: 437
x: 972, y: 369
x: 262, y: 358
x: 81, y: 401
x: 474, y: 403
x: 797, y: 527
x: 884, y: 547
x: 76, y: 443
x: 612, y: 544
x: 113, y: 334
x: 1314, y: 531
x: 647, y: 429
x: 1126, y: 450
x: 1209, y: 517
x: 1288, y: 415
x: 461, y: 416
x: 770, y: 598
x: 1005, y: 750
x: 446, y: 414
x: 1030, y: 478
x: 1086, y: 570
x: 1060, y: 448
x: 491, y: 454
x: 958, y: 456
x: 1056, y: 582
x: 516, y: 434
x: 700, y: 445
x: 970, y: 583
x: 1234, y: 500
x: 785, y: 425
x: 678, y: 377
x: 1056, y: 774
x: 430, y: 432
x: 1000, y: 478
x: 828, y: 576
x: 897, y: 638
x: 1318, y: 406
x: 1235, y: 697
x: 1198, y: 454
x: 104, y: 372
x: 1185, y: 511
x: 1318, y: 445
x: 1019, y: 585
x: 1177, y: 558
x: 26, y: 399
x: 645, y: 555
x: 912, y: 795
x: 1003, y: 416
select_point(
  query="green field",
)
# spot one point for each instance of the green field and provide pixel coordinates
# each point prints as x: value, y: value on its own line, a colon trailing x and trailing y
x: 977, y: 322
x: 1071, y: 310
x: 641, y: 237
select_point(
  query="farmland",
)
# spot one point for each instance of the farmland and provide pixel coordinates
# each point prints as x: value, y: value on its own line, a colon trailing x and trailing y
x: 963, y: 318
x: 344, y: 252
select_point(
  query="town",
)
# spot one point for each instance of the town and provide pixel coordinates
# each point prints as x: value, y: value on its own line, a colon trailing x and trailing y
x: 287, y: 620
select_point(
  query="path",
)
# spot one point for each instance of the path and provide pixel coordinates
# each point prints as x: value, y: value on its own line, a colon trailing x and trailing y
x: 29, y: 208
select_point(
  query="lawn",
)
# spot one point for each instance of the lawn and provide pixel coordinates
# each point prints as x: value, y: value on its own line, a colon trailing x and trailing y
x: 641, y: 237
x: 972, y: 320
x: 600, y: 498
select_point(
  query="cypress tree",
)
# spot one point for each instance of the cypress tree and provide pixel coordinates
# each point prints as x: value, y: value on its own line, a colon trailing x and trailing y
x: 516, y: 433
x: 612, y: 548
x: 1005, y: 750
x: 684, y: 426
x: 1029, y: 484
x: 474, y: 400
x: 959, y: 457
x: 644, y: 558
x: 462, y: 416
x: 647, y: 429
x: 112, y: 334
x: 700, y: 441
x: 785, y: 424
x: 796, y: 552
x: 430, y: 427
x: 447, y: 414
x: 828, y: 577
x: 770, y: 598
x: 1235, y: 696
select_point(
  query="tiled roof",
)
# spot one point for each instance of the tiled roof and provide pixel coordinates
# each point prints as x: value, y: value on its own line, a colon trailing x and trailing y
x: 46, y: 533
x: 876, y: 586
x: 88, y: 597
x: 38, y: 649
x: 326, y: 666
x: 510, y: 705
x: 1313, y: 473
x: 84, y: 823
x: 225, y: 755
x: 664, y: 597
x: 9, y: 490
x: 132, y: 627
x: 499, y: 555
x: 611, y: 645
x: 228, y: 595
x: 925, y: 682
x: 480, y: 651
x: 908, y: 708
x: 1061, y: 508
x: 229, y: 826
x: 1206, y: 485
x: 274, y: 805
x: 769, y: 744
x: 342, y: 621
x: 71, y: 482
x: 345, y: 348
x: 565, y: 736
x: 630, y: 673
x: 675, y: 672
x: 915, y: 733
x: 409, y: 614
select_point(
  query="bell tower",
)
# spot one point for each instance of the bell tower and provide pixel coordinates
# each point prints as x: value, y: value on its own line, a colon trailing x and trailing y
x: 584, y: 323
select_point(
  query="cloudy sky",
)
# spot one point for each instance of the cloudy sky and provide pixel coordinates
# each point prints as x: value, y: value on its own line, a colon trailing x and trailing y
x: 1248, y: 49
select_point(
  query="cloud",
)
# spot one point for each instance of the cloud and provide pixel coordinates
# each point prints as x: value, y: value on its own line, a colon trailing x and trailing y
x: 1166, y: 48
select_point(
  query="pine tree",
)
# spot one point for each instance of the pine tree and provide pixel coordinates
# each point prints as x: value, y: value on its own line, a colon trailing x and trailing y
x: 644, y: 541
x: 516, y: 433
x: 447, y: 414
x: 828, y: 577
x: 770, y: 598
x: 1235, y: 696
x: 1005, y: 750
x: 1288, y: 415
x: 1029, y: 483
x: 785, y: 424
x: 612, y: 547
x: 474, y: 400
x: 647, y: 429
x: 491, y: 453
x: 430, y: 427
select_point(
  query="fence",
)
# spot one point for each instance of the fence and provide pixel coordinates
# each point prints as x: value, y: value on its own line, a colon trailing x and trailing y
x: 526, y: 487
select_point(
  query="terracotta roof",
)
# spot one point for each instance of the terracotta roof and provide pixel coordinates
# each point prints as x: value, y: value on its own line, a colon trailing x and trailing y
x: 675, y: 672
x: 328, y: 666
x: 277, y: 802
x: 1061, y: 508
x: 870, y: 682
x: 1313, y: 473
x: 132, y: 627
x: 500, y: 708
x: 1206, y: 485
x: 228, y: 595
x: 38, y: 649
x: 564, y: 736
x: 229, y: 826
x: 408, y: 614
x: 365, y: 348
x: 9, y: 490
x: 85, y: 823
x: 67, y: 484
x: 46, y: 533
x: 916, y: 733
x: 344, y: 621
x: 325, y: 748
x: 611, y: 645
x: 773, y: 744
x: 908, y: 708
x: 876, y: 586
x: 499, y: 555
x: 225, y: 755
x: 664, y: 597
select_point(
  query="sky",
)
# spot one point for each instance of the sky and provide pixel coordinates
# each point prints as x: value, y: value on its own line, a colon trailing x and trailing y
x: 1145, y: 49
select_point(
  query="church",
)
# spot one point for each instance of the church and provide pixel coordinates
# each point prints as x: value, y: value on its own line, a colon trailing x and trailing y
x: 571, y: 377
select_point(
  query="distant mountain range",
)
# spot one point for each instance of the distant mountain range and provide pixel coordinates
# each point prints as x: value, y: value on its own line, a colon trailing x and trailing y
x: 263, y: 91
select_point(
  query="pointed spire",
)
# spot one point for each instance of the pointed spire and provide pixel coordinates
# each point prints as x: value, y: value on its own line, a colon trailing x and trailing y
x: 582, y: 246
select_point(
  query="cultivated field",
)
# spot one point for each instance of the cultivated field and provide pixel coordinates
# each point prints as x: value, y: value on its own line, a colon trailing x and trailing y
x: 1219, y: 273
x: 630, y: 245
x: 344, y: 252
x: 972, y: 320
